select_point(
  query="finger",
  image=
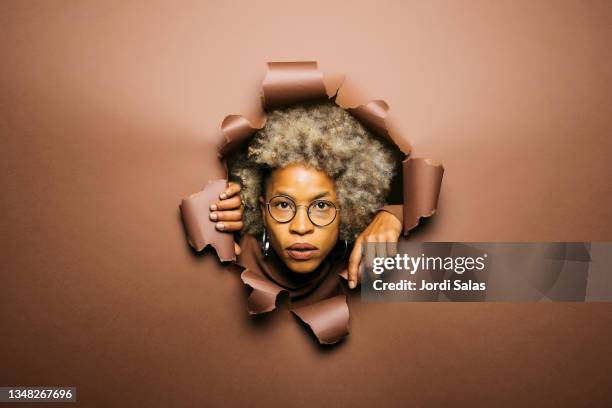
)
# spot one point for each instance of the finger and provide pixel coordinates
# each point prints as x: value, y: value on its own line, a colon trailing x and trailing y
x: 353, y: 267
x: 381, y: 247
x: 232, y: 203
x: 236, y: 248
x: 233, y: 215
x: 392, y: 245
x: 370, y: 251
x: 360, y: 270
x: 231, y: 189
x: 229, y: 226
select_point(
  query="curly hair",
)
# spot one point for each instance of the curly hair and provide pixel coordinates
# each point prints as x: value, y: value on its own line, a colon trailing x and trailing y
x: 326, y: 137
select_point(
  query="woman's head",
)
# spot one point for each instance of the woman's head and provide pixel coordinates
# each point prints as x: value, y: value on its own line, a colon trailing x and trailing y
x: 319, y: 142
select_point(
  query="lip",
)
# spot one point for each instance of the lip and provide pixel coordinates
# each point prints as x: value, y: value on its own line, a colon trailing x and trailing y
x: 301, y: 251
x: 302, y: 245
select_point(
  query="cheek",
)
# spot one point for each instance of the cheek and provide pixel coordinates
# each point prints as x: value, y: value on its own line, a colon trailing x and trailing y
x: 330, y: 235
x: 278, y: 234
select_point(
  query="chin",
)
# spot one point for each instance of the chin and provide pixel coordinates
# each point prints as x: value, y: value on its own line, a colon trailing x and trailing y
x: 302, y: 267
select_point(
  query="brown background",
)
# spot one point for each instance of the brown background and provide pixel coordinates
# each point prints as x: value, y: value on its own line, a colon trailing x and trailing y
x: 109, y: 113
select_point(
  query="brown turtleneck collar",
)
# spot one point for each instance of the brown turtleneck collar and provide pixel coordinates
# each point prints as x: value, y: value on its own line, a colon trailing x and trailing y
x: 318, y: 298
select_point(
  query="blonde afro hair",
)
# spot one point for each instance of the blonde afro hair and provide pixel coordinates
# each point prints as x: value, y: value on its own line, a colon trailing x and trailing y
x: 328, y: 138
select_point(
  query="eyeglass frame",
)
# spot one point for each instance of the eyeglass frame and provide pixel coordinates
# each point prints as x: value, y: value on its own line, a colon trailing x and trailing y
x: 336, y: 208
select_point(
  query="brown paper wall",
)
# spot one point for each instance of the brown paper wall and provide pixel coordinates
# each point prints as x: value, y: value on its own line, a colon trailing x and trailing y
x: 107, y: 121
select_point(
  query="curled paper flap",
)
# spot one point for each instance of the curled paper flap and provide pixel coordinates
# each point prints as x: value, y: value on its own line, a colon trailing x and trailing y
x: 236, y: 130
x: 291, y: 82
x: 200, y: 229
x: 328, y: 318
x: 373, y: 114
x: 422, y: 181
x: 263, y: 297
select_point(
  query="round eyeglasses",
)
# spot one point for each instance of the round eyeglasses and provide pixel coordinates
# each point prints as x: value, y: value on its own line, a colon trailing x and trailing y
x: 320, y: 212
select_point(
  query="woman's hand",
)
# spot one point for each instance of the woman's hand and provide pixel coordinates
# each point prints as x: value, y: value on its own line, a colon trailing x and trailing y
x: 385, y: 227
x: 228, y: 211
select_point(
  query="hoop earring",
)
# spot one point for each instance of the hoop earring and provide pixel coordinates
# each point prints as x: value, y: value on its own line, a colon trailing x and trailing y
x: 265, y: 243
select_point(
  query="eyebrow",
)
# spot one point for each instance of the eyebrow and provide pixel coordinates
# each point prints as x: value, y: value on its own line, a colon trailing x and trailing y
x: 320, y: 195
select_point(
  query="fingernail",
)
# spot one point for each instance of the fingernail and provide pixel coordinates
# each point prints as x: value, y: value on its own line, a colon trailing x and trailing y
x: 352, y: 284
x: 220, y: 225
x: 213, y: 207
x: 223, y: 195
x: 213, y: 216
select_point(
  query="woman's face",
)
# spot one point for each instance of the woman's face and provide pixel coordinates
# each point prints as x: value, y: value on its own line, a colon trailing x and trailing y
x: 304, y: 185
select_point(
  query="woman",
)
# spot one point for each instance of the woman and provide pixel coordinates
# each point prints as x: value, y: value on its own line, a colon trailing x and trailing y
x: 311, y: 181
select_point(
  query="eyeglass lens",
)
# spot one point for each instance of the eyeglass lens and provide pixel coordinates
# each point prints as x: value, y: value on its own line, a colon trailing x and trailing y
x: 320, y: 212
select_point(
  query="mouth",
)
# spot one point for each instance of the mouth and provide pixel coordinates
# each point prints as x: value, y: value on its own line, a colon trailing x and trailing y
x: 302, y: 251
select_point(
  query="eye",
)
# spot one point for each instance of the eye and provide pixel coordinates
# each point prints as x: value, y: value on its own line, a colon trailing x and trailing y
x: 322, y: 205
x: 281, y: 203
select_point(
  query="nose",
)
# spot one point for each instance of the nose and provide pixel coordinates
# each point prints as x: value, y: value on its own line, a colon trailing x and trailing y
x: 300, y: 224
